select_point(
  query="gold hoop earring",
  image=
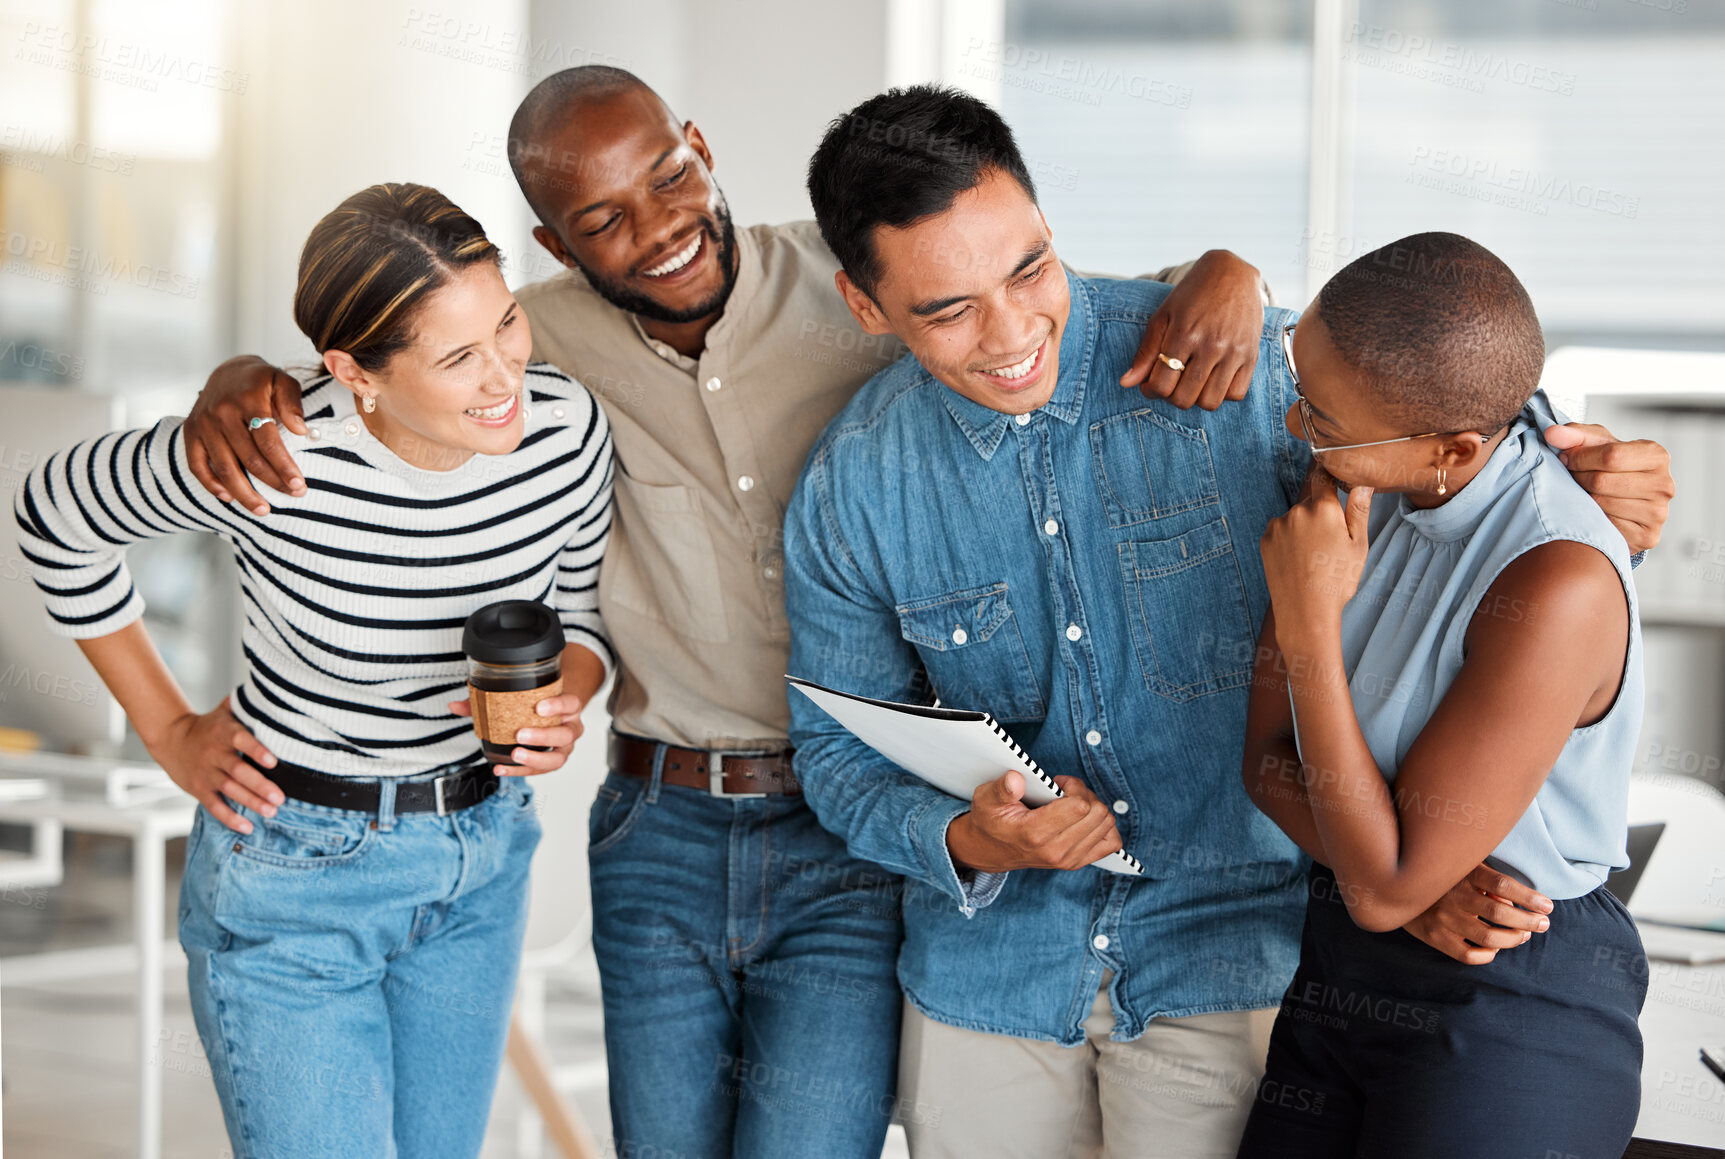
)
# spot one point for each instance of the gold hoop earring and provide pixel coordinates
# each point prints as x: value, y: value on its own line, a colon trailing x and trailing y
x: 369, y: 403
x: 1442, y: 476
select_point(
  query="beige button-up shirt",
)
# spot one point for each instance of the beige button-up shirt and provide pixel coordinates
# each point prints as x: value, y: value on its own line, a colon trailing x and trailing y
x: 708, y: 451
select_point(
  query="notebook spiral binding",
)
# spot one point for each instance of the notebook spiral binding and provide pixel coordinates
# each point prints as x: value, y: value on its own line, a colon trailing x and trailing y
x: 1029, y: 761
x: 1047, y: 781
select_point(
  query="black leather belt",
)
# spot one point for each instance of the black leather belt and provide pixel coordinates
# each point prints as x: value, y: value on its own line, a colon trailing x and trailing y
x: 449, y: 793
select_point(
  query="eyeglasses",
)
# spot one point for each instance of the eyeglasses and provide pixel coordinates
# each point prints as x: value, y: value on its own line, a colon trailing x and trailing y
x: 1306, y: 422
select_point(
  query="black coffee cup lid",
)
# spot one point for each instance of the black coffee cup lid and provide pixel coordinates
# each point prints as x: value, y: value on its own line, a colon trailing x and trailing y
x: 512, y: 632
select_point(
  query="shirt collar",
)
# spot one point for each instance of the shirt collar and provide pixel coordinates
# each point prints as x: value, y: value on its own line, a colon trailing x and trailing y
x: 1514, y: 457
x: 985, y: 427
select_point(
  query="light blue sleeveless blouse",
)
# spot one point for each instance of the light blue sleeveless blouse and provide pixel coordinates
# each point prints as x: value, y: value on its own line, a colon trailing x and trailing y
x: 1402, y: 636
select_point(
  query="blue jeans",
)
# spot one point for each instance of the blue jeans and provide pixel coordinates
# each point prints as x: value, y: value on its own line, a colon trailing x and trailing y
x: 747, y: 965
x: 352, y: 973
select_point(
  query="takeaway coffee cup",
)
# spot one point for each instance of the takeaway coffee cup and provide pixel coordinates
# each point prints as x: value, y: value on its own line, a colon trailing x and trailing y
x: 514, y: 660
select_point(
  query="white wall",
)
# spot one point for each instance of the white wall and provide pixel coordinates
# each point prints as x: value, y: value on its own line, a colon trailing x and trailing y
x: 342, y: 95
x: 762, y: 78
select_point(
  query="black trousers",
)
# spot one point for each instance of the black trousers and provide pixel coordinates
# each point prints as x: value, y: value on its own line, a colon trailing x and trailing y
x: 1386, y: 1049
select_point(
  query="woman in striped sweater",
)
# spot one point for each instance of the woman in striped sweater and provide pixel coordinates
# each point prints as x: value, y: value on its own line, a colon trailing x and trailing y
x: 356, y: 879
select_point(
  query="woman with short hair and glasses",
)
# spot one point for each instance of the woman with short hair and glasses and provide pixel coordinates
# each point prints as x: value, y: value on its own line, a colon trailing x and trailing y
x: 1450, y: 672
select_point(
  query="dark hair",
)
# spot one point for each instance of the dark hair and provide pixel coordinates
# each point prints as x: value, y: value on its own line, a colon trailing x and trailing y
x: 373, y: 260
x: 1440, y: 331
x: 552, y: 100
x: 900, y: 157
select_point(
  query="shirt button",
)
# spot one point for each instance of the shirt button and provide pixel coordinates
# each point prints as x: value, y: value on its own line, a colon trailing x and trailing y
x: 772, y: 573
x: 314, y: 434
x: 959, y: 636
x: 1121, y: 806
x: 352, y: 428
x: 1021, y: 420
x: 662, y: 350
x: 1051, y: 527
x: 746, y: 483
x: 713, y: 384
x: 557, y: 412
x: 1092, y: 738
x: 1100, y: 941
x: 1074, y: 632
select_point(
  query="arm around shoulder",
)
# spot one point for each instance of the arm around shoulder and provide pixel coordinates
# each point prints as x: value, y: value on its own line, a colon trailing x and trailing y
x: 227, y: 435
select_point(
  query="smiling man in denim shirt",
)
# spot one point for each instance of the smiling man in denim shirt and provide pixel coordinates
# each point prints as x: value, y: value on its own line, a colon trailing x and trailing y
x: 996, y: 518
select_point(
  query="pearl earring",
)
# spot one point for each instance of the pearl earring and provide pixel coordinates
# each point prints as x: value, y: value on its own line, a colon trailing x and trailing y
x: 1442, y: 476
x: 369, y: 403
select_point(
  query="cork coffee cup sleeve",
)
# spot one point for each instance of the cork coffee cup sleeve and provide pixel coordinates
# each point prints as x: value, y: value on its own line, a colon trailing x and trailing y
x: 496, y: 715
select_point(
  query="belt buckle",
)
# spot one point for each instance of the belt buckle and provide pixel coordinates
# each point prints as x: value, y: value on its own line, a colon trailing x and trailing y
x: 716, y: 780
x: 437, y: 792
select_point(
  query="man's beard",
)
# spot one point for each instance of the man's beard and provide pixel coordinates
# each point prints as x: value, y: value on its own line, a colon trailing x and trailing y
x: 626, y: 297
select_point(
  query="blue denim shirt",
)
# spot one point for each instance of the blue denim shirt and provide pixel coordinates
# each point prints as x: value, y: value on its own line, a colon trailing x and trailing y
x: 1088, y: 573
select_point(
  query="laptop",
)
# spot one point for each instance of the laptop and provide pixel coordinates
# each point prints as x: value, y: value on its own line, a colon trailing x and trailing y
x: 1642, y: 839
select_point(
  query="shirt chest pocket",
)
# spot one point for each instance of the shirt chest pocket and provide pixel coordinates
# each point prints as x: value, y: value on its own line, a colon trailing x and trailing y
x: 1150, y: 467
x: 1186, y: 603
x: 660, y: 561
x: 1185, y: 596
x: 971, y: 644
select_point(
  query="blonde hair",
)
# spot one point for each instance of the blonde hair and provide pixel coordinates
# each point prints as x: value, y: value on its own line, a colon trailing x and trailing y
x: 373, y: 260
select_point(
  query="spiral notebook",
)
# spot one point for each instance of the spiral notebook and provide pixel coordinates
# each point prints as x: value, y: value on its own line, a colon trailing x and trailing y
x: 954, y: 750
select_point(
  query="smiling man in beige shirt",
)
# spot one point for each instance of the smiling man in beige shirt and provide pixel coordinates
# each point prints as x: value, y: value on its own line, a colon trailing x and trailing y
x: 747, y: 961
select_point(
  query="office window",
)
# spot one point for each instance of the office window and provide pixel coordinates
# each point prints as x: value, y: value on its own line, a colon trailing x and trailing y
x: 111, y: 178
x: 1580, y: 141
x: 1158, y: 130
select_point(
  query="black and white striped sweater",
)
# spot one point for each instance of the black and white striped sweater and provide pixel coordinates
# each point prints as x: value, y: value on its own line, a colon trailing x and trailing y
x: 355, y: 594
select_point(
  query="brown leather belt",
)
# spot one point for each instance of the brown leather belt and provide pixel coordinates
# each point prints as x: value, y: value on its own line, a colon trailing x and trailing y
x: 717, y: 773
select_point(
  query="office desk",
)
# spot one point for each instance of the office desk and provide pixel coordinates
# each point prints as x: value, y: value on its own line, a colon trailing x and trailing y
x: 150, y: 827
x: 1681, y: 1100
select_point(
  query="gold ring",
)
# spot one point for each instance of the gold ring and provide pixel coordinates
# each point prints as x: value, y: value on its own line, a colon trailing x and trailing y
x: 1173, y: 364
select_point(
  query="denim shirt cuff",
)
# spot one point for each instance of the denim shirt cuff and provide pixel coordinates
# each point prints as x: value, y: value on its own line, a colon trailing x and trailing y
x: 928, y: 826
x: 980, y: 888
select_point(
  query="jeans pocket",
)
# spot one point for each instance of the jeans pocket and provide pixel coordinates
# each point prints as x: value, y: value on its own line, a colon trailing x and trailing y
x: 300, y: 839
x: 1186, y: 602
x: 616, y: 808
x: 199, y: 883
x: 514, y: 794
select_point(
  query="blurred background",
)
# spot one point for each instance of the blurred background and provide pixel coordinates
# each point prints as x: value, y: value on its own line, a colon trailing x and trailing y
x: 161, y: 162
